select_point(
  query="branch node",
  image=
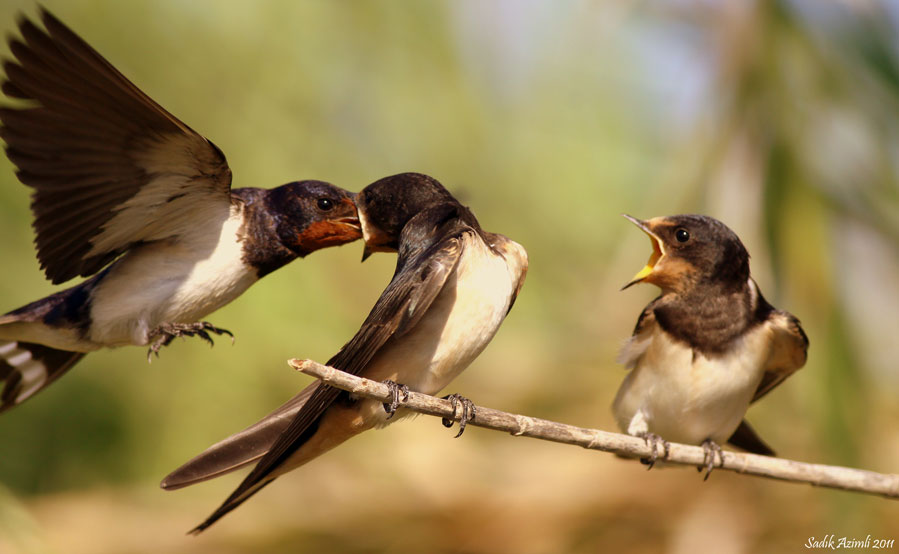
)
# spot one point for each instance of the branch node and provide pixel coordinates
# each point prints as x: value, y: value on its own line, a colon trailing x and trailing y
x: 524, y: 425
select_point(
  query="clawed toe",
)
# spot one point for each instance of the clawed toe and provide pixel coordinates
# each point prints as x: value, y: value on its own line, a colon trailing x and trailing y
x: 710, y: 449
x: 165, y: 333
x: 202, y: 330
x: 654, y: 441
x: 469, y: 410
x: 395, y: 391
x: 218, y: 330
x: 163, y: 340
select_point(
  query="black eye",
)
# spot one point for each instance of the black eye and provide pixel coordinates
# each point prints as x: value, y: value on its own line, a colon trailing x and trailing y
x: 325, y: 204
x: 682, y: 235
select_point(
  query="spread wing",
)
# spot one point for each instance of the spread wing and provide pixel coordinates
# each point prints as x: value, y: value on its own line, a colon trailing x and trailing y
x: 789, y: 349
x: 418, y: 280
x: 109, y: 166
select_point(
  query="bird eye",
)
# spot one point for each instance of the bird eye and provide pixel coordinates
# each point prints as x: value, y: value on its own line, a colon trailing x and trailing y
x: 682, y: 235
x: 325, y: 204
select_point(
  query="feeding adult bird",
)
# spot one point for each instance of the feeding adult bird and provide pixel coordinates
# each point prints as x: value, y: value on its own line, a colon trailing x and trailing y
x: 708, y: 346
x: 127, y: 194
x: 454, y: 284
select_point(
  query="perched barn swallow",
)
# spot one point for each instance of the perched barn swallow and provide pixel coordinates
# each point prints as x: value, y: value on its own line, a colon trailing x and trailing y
x: 708, y: 346
x: 128, y: 194
x: 453, y: 286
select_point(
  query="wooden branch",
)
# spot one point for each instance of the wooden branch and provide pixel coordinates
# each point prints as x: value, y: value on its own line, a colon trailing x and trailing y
x: 835, y: 477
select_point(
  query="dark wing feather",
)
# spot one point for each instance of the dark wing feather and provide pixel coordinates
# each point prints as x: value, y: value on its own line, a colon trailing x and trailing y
x: 402, y: 304
x: 789, y: 350
x: 647, y: 318
x: 109, y: 166
x: 240, y: 448
x: 636, y: 345
x: 400, y: 307
x: 746, y: 438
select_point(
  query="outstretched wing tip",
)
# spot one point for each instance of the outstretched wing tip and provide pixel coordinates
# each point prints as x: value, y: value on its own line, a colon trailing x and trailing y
x: 90, y: 129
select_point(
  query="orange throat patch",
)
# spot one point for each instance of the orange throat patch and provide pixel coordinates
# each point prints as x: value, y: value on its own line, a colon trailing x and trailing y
x: 322, y: 234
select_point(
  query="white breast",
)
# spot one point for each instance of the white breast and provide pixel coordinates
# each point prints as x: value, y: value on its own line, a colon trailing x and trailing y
x: 688, y: 398
x: 174, y: 281
x: 457, y: 327
x: 459, y: 324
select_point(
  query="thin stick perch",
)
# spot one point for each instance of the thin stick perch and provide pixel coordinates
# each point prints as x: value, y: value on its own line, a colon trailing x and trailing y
x: 835, y: 477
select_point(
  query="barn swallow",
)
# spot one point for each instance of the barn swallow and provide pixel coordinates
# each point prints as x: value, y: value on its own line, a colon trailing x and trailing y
x: 707, y: 347
x: 453, y: 286
x: 129, y: 195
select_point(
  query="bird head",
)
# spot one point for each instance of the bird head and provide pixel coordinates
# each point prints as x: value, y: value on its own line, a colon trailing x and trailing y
x: 313, y: 214
x: 386, y: 205
x: 691, y: 250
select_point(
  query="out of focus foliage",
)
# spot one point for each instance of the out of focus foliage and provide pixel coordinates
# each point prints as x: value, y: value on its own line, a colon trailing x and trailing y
x: 549, y: 119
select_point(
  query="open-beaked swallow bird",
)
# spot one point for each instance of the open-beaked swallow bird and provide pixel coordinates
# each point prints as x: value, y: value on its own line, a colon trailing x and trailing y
x: 129, y: 195
x: 708, y: 346
x: 453, y: 286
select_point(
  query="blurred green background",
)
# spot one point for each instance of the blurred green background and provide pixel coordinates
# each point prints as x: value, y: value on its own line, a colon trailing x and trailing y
x: 549, y: 119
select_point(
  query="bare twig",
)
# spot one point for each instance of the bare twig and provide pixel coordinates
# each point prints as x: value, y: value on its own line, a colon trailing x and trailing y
x: 835, y: 477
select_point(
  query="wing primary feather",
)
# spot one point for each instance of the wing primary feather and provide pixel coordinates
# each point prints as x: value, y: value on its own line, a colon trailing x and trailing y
x: 421, y: 274
x: 789, y: 351
x: 239, y: 449
x: 89, y: 126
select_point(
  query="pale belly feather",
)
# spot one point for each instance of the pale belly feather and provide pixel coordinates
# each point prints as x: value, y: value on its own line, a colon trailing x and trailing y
x: 459, y: 324
x: 687, y: 398
x: 170, y: 282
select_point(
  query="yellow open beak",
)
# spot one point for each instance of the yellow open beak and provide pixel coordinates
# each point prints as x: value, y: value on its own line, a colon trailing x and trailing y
x: 656, y: 255
x: 373, y: 237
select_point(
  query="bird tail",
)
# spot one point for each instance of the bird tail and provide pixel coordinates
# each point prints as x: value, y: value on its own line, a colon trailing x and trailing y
x: 746, y: 438
x: 27, y: 368
x: 239, y: 449
x: 236, y: 499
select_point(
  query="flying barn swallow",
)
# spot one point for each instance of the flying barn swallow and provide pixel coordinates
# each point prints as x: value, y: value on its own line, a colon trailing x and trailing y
x: 126, y: 193
x: 453, y: 286
x: 708, y: 346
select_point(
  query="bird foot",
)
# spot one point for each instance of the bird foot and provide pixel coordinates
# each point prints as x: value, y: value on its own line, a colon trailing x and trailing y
x: 709, y: 450
x: 395, y: 391
x: 166, y: 333
x: 469, y: 410
x: 654, y: 441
